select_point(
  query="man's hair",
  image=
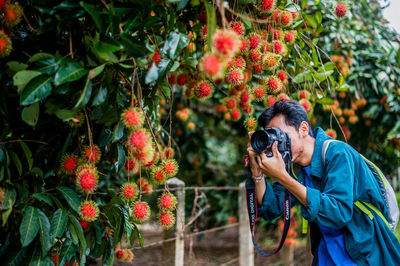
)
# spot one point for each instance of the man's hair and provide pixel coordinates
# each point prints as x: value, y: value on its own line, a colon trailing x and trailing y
x: 293, y: 112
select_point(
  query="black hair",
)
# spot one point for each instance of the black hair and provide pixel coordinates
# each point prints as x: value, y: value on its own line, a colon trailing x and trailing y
x: 293, y: 112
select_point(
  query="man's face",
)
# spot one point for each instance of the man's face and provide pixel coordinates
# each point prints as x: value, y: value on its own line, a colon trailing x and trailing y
x: 295, y: 137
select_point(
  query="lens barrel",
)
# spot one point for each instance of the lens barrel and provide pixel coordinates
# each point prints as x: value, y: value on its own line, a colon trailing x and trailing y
x: 259, y: 141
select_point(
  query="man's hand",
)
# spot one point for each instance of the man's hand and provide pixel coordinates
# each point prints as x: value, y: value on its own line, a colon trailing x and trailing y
x: 273, y: 167
x: 254, y: 167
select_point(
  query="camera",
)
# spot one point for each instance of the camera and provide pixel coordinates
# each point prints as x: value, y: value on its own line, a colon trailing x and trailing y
x: 262, y: 140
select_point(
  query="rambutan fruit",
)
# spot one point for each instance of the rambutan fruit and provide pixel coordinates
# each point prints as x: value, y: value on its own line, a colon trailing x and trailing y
x: 92, y: 154
x: 254, y: 41
x: 243, y: 46
x: 170, y: 167
x: 5, y: 44
x: 257, y: 68
x: 249, y: 110
x: 166, y: 219
x: 145, y: 155
x: 158, y: 176
x: 244, y: 97
x: 171, y: 78
x: 269, y: 101
x: 276, y: 16
x: 237, y: 27
x: 139, y: 139
x: 273, y: 83
x: 283, y: 97
x: 266, y: 6
x: 129, y: 191
x: 156, y: 58
x: 259, y: 92
x: 140, y: 211
x: 89, y: 211
x: 270, y: 61
x: 289, y: 37
x: 306, y: 104
x: 247, y: 75
x: 87, y: 178
x: 236, y: 114
x: 341, y: 9
x: 220, y: 108
x: 227, y: 116
x: 127, y: 256
x: 147, y: 189
x: 304, y: 94
x: 277, y: 34
x: 282, y: 75
x: 255, y: 55
x: 191, y: 126
x: 250, y: 123
x: 203, y: 90
x: 226, y: 43
x: 211, y: 65
x: 353, y: 119
x: 119, y: 254
x: 182, y: 79
x: 279, y: 48
x: 263, y: 35
x: 168, y: 153
x: 132, y: 118
x: 84, y: 225
x: 69, y: 163
x: 167, y: 202
x: 331, y: 133
x: 204, y: 32
x: 295, y: 15
x: 234, y: 76
x: 285, y: 18
x: 141, y: 182
x: 131, y: 165
x: 12, y: 15
x: 237, y: 62
x: 265, y: 47
x: 230, y: 102
x: 189, y: 90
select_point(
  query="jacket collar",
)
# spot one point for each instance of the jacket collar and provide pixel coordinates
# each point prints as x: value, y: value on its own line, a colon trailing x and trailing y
x: 316, y: 160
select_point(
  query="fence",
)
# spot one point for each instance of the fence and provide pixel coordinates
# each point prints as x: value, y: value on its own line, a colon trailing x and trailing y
x: 173, y: 244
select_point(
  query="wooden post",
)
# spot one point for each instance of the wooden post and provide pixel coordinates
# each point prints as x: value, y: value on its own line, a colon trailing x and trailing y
x: 246, y: 249
x: 174, y: 254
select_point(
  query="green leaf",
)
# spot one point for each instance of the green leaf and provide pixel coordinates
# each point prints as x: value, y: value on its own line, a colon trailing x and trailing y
x: 30, y: 114
x: 58, y: 224
x: 107, y: 47
x: 132, y: 46
x: 36, y: 90
x: 306, y: 75
x: 72, y: 198
x: 182, y: 4
x: 29, y: 227
x: 28, y: 154
x: 100, y: 96
x: 79, y: 231
x: 68, y: 249
x: 4, y: 216
x: 65, y: 114
x: 44, y: 198
x: 9, y: 199
x: 72, y: 232
x: 16, y: 66
x: 85, y: 96
x: 40, y: 56
x: 311, y: 20
x: 211, y: 22
x: 16, y: 161
x: 325, y: 101
x: 44, y: 229
x: 39, y: 260
x: 121, y: 158
x: 176, y: 42
x: 322, y: 76
x: 96, y: 71
x: 118, y: 132
x: 128, y: 225
x: 69, y: 72
x: 96, y: 15
x: 152, y: 74
x: 318, y: 17
x: 139, y: 235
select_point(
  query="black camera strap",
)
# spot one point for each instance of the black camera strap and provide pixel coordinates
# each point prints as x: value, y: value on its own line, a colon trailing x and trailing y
x: 251, y: 200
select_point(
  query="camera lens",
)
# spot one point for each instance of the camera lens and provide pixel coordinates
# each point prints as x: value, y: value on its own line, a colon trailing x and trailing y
x: 259, y: 141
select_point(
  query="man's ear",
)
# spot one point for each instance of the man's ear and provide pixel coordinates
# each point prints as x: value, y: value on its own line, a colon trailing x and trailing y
x: 304, y: 129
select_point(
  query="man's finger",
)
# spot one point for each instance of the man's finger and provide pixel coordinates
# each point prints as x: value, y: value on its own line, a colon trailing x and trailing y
x: 250, y: 133
x: 275, y: 148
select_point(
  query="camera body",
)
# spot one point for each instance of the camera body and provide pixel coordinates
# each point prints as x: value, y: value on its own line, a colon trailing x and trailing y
x: 262, y: 140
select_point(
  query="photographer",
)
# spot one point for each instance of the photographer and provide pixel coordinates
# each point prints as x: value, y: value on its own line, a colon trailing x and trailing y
x: 341, y: 233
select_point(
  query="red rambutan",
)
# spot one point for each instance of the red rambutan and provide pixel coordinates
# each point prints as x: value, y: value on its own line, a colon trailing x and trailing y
x: 244, y: 46
x: 282, y: 75
x: 340, y: 9
x: 273, y: 83
x: 12, y: 15
x: 234, y: 76
x: 92, y: 154
x: 140, y: 211
x: 279, y: 48
x: 158, y: 176
x: 236, y: 114
x: 131, y: 165
x: 89, y: 211
x: 283, y: 97
x: 166, y: 219
x: 203, y: 90
x: 211, y: 65
x: 259, y: 92
x: 138, y: 139
x: 266, y: 5
x: 331, y: 133
x: 270, y: 61
x: 306, y: 104
x: 129, y: 191
x: 182, y: 79
x: 254, y: 41
x: 170, y: 167
x: 69, y: 163
x: 269, y: 101
x: 87, y: 178
x: 250, y: 123
x: 237, y: 27
x: 133, y: 118
x: 5, y: 44
x: 225, y: 42
x: 304, y: 94
x: 167, y: 202
x: 289, y: 37
x: 286, y: 18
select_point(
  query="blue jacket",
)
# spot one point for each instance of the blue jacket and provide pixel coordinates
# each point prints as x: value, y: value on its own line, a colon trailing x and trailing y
x: 344, y: 180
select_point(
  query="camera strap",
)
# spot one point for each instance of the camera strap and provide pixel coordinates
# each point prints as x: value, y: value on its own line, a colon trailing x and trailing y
x: 251, y: 201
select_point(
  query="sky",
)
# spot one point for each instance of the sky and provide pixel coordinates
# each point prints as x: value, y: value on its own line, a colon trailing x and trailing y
x: 392, y: 14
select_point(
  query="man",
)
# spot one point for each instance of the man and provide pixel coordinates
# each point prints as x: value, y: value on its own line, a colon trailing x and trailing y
x: 341, y: 233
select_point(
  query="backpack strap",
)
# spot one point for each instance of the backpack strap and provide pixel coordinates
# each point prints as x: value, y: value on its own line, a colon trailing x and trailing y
x: 360, y: 204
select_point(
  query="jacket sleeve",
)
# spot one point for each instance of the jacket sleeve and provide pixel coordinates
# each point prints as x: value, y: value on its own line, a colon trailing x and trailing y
x: 272, y: 202
x: 333, y: 207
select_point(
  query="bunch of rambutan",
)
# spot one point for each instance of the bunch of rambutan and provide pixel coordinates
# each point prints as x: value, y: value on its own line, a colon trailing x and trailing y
x: 10, y: 16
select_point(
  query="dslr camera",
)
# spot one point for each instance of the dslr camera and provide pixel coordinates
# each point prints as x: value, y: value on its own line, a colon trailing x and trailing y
x: 262, y: 140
